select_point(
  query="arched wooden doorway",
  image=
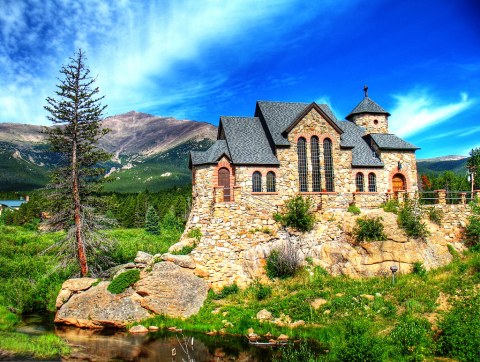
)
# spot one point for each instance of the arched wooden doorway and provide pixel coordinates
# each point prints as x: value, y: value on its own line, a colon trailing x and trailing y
x: 398, y: 183
x: 224, y: 181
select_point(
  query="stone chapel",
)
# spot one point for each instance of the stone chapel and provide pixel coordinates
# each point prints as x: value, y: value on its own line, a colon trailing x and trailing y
x: 299, y: 148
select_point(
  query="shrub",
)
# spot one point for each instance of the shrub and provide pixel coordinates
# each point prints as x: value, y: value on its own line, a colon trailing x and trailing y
x: 412, y: 337
x: 391, y: 206
x: 123, y: 281
x: 472, y: 230
x: 369, y: 229
x: 410, y: 219
x: 298, y: 214
x: 435, y: 215
x: 226, y: 291
x: 283, y: 262
x: 419, y: 269
x: 460, y: 337
x: 354, y: 209
x: 185, y: 250
x: 261, y: 291
x: 195, y: 233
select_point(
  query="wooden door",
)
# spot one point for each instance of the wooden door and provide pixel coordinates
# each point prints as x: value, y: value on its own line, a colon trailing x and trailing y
x: 398, y: 182
x: 224, y: 181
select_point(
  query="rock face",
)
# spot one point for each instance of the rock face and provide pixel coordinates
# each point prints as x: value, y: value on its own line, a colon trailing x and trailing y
x: 172, y: 290
x: 168, y: 289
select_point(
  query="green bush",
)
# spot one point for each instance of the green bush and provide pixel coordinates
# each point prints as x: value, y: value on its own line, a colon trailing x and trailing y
x: 298, y: 214
x: 460, y: 336
x: 391, y: 206
x: 226, y: 291
x: 123, y: 281
x: 419, y: 269
x: 260, y: 291
x: 409, y: 218
x: 283, y: 262
x: 185, y: 250
x: 369, y: 229
x: 354, y: 209
x: 435, y: 215
x: 413, y: 338
x: 472, y: 230
x: 195, y: 233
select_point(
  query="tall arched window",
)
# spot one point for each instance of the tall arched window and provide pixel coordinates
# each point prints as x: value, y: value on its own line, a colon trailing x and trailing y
x: 372, y: 182
x: 302, y: 164
x: 257, y: 182
x: 316, y: 182
x: 359, y: 182
x: 328, y: 160
x: 270, y: 181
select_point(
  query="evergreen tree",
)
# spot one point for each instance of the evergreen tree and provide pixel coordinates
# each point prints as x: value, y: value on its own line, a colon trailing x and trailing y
x: 473, y: 163
x: 76, y: 181
x: 152, y: 221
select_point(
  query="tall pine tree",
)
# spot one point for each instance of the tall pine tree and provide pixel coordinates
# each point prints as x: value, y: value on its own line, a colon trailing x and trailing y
x: 76, y: 113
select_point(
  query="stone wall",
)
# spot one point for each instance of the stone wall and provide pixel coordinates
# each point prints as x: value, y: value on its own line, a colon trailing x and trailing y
x: 367, y: 121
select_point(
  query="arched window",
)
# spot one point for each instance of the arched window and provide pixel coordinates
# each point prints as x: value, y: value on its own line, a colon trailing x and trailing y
x: 372, y: 182
x: 257, y: 182
x: 328, y: 160
x: 270, y: 181
x: 302, y: 164
x: 359, y: 182
x: 316, y: 182
x: 224, y: 181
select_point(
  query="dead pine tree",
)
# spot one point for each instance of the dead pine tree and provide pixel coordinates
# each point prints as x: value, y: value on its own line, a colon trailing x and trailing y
x: 73, y: 191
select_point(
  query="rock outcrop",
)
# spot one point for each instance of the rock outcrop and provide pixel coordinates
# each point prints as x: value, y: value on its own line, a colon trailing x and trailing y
x: 167, y: 289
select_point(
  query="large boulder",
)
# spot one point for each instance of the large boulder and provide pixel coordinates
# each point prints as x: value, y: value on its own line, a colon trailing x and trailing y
x: 168, y: 289
x: 172, y: 290
x: 98, y: 308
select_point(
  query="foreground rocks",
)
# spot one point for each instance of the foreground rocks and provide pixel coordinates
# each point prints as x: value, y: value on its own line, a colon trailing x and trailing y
x: 167, y: 289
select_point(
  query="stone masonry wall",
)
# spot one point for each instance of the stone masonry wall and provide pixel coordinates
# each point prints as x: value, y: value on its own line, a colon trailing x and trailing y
x: 367, y: 121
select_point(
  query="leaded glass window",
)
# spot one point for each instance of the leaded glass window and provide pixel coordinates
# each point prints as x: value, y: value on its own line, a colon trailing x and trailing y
x: 302, y: 164
x: 372, y: 182
x: 257, y: 182
x: 359, y: 182
x: 270, y: 181
x: 328, y: 160
x: 315, y: 153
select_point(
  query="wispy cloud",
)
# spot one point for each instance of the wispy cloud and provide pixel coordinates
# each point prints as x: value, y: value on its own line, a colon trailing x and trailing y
x: 156, y: 54
x: 419, y: 110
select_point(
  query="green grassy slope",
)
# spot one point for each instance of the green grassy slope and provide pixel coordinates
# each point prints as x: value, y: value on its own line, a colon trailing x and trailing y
x: 437, y: 167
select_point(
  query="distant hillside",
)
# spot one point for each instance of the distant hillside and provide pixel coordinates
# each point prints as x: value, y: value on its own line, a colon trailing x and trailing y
x: 148, y: 152
x: 438, y: 165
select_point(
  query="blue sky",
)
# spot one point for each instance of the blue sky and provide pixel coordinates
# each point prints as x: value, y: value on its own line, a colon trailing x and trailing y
x: 201, y: 59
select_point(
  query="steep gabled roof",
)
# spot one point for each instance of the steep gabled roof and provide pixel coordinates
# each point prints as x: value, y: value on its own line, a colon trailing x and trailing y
x: 367, y: 105
x: 391, y: 142
x: 329, y: 117
x: 212, y: 155
x: 247, y: 141
x: 362, y: 154
x: 12, y: 203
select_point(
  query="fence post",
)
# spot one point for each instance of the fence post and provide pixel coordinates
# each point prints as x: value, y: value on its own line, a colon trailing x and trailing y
x: 463, y: 197
x: 477, y: 193
x: 441, y: 197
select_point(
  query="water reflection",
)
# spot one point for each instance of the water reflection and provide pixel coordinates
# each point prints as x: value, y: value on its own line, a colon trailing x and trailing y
x: 111, y: 345
x: 122, y: 346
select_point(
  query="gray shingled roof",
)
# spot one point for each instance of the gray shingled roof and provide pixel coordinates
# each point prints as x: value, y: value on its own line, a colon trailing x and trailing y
x: 280, y: 115
x: 212, y: 155
x: 247, y: 141
x: 362, y: 154
x: 367, y: 105
x: 391, y: 142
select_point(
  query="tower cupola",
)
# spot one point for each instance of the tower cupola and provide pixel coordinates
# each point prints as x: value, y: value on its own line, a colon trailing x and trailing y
x: 369, y: 115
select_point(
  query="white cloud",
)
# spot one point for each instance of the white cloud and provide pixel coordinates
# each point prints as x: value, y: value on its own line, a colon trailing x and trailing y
x: 419, y: 110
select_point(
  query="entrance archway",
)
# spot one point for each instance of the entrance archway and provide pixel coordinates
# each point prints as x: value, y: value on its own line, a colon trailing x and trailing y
x: 224, y: 181
x: 398, y: 183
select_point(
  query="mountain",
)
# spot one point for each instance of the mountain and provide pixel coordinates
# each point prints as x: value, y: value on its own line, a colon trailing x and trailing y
x: 148, y: 152
x: 437, y: 165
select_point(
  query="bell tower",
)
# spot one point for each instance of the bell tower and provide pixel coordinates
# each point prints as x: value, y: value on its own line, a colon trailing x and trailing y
x: 369, y: 115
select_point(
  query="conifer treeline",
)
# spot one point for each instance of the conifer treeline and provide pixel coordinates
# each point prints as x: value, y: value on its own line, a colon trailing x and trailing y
x: 172, y: 206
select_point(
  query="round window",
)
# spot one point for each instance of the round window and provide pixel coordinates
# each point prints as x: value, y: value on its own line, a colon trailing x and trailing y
x: 375, y: 122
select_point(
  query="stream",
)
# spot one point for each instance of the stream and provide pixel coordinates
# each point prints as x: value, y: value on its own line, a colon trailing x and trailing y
x: 113, y: 345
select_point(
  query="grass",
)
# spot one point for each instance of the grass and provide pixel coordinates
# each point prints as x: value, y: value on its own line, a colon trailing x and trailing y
x: 42, y: 347
x: 392, y: 319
